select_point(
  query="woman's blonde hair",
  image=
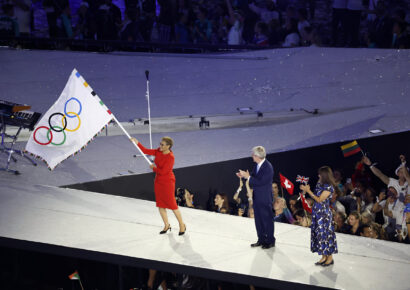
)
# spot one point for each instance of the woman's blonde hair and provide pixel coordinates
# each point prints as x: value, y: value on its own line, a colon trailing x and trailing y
x: 168, y: 140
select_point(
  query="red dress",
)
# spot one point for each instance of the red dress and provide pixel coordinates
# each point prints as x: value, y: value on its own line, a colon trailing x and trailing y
x: 164, y: 184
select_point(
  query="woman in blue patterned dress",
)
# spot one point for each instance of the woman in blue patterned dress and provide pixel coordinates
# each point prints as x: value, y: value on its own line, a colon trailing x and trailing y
x: 323, y: 238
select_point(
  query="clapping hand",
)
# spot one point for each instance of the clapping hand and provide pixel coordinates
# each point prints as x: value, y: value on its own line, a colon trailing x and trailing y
x: 243, y: 174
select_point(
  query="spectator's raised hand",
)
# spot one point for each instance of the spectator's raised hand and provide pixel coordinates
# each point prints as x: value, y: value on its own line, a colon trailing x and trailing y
x: 244, y: 174
x: 402, y: 158
x: 366, y: 160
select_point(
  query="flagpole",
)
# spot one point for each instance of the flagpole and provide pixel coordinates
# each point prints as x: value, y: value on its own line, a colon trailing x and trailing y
x: 149, y: 109
x: 129, y: 137
x: 81, y: 284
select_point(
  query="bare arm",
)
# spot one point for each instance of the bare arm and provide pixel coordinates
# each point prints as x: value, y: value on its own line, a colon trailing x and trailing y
x: 375, y: 170
x: 386, y: 210
x: 405, y: 171
x: 377, y: 207
x: 236, y: 195
x: 249, y: 193
x: 359, y: 204
x: 323, y: 196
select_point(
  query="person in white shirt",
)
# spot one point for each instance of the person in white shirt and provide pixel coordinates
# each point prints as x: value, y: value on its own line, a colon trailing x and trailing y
x: 401, y: 184
x: 236, y: 20
x: 391, y: 209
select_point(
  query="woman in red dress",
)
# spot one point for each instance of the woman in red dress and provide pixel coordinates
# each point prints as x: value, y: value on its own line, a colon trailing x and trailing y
x: 164, y: 184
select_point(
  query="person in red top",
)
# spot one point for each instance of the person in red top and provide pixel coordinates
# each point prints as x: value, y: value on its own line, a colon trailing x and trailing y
x: 164, y: 184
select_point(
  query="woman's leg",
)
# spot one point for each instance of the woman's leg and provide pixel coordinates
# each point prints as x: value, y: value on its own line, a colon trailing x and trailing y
x: 180, y: 221
x: 329, y: 259
x: 164, y: 216
x: 324, y: 258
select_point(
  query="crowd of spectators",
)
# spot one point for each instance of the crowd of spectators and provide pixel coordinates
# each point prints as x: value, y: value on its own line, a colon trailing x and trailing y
x: 358, y: 209
x: 286, y: 23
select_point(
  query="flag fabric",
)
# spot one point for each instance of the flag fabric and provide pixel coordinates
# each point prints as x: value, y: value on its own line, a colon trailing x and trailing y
x: 305, y: 204
x: 350, y: 148
x: 302, y: 179
x: 74, y: 276
x: 70, y: 124
x: 286, y: 184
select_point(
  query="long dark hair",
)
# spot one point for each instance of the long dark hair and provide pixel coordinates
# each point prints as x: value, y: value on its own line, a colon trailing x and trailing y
x: 225, y: 205
x: 326, y: 176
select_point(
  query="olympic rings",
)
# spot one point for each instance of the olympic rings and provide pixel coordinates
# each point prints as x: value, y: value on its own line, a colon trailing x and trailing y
x: 52, y: 127
x: 56, y: 144
x: 65, y: 108
x: 65, y: 126
x: 59, y: 129
x: 48, y: 130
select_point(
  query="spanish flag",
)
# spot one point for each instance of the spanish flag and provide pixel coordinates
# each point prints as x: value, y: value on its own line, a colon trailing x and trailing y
x: 350, y: 148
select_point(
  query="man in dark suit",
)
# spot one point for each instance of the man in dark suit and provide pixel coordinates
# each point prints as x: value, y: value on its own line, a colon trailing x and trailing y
x: 260, y: 180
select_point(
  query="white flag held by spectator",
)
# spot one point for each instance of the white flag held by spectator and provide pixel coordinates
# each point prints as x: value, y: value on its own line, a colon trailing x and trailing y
x: 70, y: 124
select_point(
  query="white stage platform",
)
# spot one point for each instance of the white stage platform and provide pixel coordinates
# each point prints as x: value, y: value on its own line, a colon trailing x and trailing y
x: 125, y: 231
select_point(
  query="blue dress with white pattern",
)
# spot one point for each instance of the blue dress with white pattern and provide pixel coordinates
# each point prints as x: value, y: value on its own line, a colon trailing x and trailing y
x: 323, y: 237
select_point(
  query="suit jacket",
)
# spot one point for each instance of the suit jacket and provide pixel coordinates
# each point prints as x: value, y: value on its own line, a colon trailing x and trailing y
x: 261, y: 183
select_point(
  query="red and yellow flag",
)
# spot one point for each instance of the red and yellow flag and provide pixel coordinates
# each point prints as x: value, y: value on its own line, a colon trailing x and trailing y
x: 350, y: 148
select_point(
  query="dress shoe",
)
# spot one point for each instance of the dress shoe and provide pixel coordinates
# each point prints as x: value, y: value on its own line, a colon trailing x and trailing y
x: 320, y: 263
x: 257, y: 244
x: 327, y: 265
x: 181, y: 233
x: 165, y: 230
x: 268, y: 246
